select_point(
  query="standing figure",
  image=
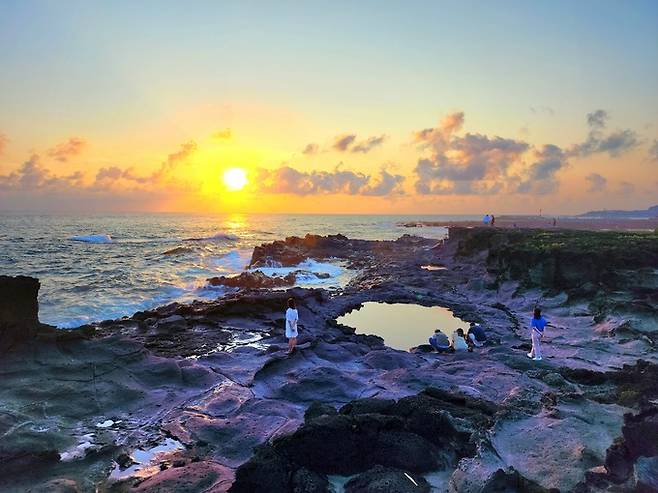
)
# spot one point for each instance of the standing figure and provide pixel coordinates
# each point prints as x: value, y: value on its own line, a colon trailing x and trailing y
x: 537, y: 326
x: 292, y: 317
x: 493, y: 219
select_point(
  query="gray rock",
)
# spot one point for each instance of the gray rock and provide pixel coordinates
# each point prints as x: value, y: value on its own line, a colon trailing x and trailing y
x: 173, y: 322
x: 645, y: 474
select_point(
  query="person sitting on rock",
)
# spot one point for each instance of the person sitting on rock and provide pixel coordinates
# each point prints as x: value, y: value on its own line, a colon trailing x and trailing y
x: 292, y: 317
x: 476, y: 335
x: 537, y: 326
x: 459, y: 341
x: 439, y: 341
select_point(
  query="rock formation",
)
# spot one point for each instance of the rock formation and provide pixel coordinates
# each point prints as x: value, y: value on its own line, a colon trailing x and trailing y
x: 206, y: 398
x: 19, y: 309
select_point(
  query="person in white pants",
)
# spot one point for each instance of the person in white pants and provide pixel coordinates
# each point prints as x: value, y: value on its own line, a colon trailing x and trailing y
x: 292, y: 317
x: 537, y: 326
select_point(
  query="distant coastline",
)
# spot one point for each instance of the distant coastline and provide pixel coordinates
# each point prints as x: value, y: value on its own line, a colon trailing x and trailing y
x: 634, y: 214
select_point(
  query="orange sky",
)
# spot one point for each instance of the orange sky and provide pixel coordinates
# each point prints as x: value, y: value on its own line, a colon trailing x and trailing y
x: 120, y: 108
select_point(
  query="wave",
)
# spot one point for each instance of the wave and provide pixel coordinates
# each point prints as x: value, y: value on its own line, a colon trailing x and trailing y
x: 233, y: 261
x: 311, y: 272
x: 178, y: 251
x: 92, y: 238
x: 215, y: 237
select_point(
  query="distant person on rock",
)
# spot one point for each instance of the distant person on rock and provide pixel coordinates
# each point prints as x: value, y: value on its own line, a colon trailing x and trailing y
x: 493, y: 220
x: 292, y: 317
x: 459, y: 341
x: 439, y: 341
x: 476, y: 335
x: 537, y: 326
x: 485, y: 220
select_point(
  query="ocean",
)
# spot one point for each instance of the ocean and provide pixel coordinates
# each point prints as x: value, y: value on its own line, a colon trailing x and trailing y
x: 95, y: 267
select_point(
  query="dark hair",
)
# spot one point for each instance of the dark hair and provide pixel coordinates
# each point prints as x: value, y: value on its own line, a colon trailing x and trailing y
x: 537, y: 313
x: 437, y: 331
x: 460, y: 331
x: 291, y: 302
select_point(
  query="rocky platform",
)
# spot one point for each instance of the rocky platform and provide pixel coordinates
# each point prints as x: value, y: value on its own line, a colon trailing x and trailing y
x: 204, y: 396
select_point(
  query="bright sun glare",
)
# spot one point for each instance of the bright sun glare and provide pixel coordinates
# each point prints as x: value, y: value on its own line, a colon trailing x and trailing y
x: 235, y: 179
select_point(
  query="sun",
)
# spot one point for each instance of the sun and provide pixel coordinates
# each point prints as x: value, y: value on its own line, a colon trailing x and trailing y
x: 235, y: 179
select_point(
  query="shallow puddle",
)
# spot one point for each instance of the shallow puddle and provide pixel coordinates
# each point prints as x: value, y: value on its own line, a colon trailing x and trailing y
x: 146, y: 461
x: 402, y: 325
x: 433, y: 267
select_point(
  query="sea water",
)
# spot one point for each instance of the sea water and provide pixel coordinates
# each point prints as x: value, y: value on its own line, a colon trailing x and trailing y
x: 94, y: 267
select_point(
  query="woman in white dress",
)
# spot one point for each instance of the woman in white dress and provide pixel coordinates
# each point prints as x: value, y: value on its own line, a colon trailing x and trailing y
x: 291, y: 325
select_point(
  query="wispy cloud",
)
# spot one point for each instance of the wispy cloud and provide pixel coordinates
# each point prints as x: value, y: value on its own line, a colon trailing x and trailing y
x: 292, y: 181
x: 67, y: 150
x: 597, y: 182
x: 222, y: 135
x: 367, y: 145
x: 343, y: 142
x: 311, y: 149
x: 626, y: 188
x: 3, y: 143
x: 541, y: 109
x: 614, y: 143
x: 653, y: 150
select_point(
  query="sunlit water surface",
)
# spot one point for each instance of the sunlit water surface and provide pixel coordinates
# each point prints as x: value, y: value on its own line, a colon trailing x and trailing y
x: 402, y: 325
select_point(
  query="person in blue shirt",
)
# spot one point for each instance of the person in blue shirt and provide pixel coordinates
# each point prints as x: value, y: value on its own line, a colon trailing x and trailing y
x: 476, y: 335
x: 537, y: 326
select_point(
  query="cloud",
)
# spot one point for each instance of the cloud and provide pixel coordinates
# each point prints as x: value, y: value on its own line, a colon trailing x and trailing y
x: 32, y: 176
x: 546, y: 110
x: 597, y: 183
x: 597, y: 119
x: 615, y: 143
x: 67, y: 150
x: 473, y: 163
x: 311, y: 149
x: 540, y: 176
x: 108, y: 176
x: 348, y: 142
x: 3, y: 143
x: 367, y: 145
x: 438, y: 137
x: 343, y: 142
x: 173, y: 161
x: 626, y: 188
x: 653, y: 150
x: 290, y: 180
x: 226, y: 134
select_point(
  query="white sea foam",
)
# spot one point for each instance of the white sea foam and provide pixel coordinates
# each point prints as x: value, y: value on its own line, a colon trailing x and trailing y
x: 92, y: 238
x: 314, y: 273
x: 233, y: 261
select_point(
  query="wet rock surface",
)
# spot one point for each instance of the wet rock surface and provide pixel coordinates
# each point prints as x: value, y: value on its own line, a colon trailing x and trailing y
x: 254, y: 280
x: 19, y: 309
x: 203, y: 397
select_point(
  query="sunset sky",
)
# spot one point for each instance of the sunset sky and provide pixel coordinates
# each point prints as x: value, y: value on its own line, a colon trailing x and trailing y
x: 331, y: 107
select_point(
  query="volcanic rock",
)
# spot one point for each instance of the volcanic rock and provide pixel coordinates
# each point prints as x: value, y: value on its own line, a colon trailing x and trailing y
x: 254, y: 280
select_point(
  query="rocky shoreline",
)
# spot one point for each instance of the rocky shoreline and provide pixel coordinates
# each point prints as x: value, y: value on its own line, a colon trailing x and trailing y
x: 210, y: 384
